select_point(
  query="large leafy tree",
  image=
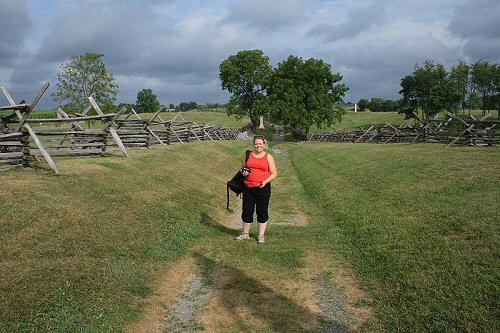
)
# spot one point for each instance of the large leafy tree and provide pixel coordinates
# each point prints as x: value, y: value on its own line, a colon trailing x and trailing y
x: 83, y: 76
x: 303, y: 93
x: 377, y: 104
x: 430, y: 89
x: 364, y: 104
x: 496, y: 86
x: 459, y: 76
x: 246, y: 76
x: 483, y: 81
x: 147, y: 101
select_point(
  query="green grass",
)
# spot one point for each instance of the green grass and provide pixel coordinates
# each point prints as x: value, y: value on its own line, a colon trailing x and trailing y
x: 77, y: 249
x: 354, y: 120
x: 216, y: 118
x: 36, y: 114
x: 43, y: 114
x: 203, y: 117
x: 418, y: 224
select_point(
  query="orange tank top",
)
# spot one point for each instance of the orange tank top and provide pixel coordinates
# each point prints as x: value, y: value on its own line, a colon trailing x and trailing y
x: 260, y: 170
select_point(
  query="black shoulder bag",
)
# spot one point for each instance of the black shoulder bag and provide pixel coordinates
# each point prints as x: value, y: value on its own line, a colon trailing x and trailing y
x: 236, y: 183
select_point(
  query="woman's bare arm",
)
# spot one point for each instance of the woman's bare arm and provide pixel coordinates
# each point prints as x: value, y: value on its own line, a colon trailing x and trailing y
x: 272, y: 170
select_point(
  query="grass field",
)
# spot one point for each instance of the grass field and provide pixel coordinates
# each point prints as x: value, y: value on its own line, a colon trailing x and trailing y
x: 350, y: 121
x: 205, y: 117
x: 419, y: 224
x: 354, y: 120
x: 218, y: 118
x: 412, y: 228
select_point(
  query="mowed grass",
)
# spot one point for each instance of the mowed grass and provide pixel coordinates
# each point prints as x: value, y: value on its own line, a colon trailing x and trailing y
x: 200, y: 117
x: 354, y: 120
x: 204, y: 117
x: 417, y: 224
x: 78, y: 250
x: 420, y: 225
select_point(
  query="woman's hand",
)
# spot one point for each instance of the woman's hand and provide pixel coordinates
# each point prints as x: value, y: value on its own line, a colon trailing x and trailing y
x: 262, y: 185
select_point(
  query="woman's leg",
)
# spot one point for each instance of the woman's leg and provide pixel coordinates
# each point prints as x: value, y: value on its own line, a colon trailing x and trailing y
x: 262, y: 229
x: 246, y: 228
x: 247, y: 210
x: 262, y: 207
x: 248, y: 205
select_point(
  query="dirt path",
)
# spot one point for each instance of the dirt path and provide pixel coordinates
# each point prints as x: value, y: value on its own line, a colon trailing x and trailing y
x: 217, y: 292
x: 279, y: 135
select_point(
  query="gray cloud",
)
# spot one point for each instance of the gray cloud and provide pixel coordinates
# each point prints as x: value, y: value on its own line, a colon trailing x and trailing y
x: 15, y: 24
x: 477, y: 18
x: 477, y: 22
x: 173, y: 91
x: 176, y: 47
x: 357, y: 21
x: 137, y: 42
x: 267, y: 15
x: 375, y: 70
x: 400, y: 53
x: 116, y: 30
x: 482, y: 48
x: 193, y: 51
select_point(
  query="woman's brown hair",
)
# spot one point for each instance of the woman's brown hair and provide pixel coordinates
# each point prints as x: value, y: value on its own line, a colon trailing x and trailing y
x: 259, y: 137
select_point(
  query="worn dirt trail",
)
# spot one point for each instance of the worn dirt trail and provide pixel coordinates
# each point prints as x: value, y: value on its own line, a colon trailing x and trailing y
x: 208, y: 290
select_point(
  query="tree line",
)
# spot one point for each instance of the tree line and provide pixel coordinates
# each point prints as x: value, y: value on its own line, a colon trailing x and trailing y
x: 298, y: 92
x: 377, y: 104
x: 433, y: 89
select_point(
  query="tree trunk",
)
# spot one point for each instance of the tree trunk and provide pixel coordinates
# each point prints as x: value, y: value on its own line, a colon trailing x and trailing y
x: 255, y: 123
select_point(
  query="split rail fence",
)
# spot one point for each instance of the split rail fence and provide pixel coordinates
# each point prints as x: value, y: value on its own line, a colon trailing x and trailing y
x: 21, y: 143
x: 449, y: 131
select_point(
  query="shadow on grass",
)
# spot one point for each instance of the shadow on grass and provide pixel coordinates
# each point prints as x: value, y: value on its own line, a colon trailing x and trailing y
x: 208, y: 221
x: 242, y: 294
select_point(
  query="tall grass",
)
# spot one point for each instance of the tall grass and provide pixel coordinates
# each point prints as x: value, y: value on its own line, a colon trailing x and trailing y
x: 36, y: 114
x: 43, y: 114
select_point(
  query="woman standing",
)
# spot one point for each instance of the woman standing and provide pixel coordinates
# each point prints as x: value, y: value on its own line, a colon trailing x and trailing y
x: 257, y: 189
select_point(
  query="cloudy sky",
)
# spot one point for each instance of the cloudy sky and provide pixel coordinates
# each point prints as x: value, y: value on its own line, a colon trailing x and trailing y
x: 175, y: 47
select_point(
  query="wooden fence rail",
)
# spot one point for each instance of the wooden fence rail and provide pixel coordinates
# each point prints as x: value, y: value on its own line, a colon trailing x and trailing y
x: 449, y: 131
x: 67, y: 136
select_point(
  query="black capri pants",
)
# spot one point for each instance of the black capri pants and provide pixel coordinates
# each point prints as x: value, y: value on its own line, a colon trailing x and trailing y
x: 256, y: 198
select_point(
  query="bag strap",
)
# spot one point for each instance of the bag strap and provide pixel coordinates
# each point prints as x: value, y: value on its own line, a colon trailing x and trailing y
x: 247, y: 156
x: 227, y: 189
